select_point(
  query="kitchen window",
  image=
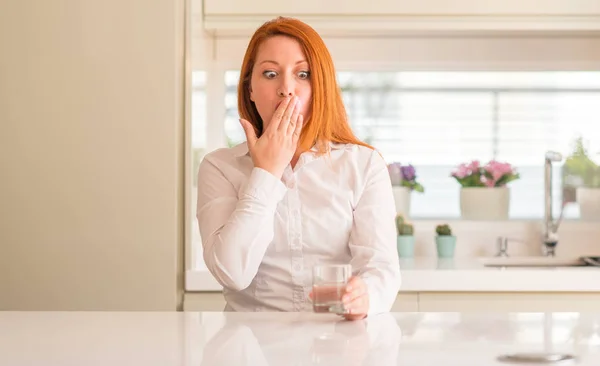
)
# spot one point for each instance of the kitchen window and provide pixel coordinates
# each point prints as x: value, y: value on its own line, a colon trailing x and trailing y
x: 434, y: 120
x: 437, y: 120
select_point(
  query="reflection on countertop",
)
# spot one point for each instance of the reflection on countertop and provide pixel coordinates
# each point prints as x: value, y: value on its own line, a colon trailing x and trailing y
x: 303, y: 339
x: 207, y: 339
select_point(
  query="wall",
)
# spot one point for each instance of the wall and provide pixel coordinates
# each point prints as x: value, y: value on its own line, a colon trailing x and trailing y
x: 478, y: 238
x: 91, y: 150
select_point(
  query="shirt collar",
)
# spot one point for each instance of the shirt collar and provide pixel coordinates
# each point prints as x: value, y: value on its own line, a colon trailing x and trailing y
x: 242, y: 149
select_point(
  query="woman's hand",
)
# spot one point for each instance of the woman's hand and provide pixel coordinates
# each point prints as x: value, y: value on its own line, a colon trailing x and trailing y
x: 356, y: 299
x: 275, y: 148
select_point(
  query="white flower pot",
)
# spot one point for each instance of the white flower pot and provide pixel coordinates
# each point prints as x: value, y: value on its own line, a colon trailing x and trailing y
x: 483, y: 203
x: 402, y: 200
x: 589, y: 203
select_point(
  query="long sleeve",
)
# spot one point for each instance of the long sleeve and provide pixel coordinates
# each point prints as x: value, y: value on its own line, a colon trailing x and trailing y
x: 373, y: 237
x: 236, y: 228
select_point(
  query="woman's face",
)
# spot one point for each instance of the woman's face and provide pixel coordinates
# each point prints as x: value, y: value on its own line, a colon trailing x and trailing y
x: 280, y: 70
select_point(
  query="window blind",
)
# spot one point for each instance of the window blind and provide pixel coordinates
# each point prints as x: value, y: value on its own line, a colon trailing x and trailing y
x: 437, y: 120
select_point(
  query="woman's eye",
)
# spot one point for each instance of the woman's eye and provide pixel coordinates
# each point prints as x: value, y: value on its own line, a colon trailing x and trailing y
x: 269, y: 74
x: 304, y: 74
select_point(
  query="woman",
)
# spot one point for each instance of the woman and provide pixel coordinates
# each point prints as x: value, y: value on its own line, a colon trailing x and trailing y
x: 303, y: 190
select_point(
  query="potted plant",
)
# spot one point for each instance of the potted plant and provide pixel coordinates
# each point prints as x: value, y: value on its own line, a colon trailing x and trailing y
x: 445, y: 241
x: 406, y: 237
x: 484, y: 194
x: 404, y: 181
x: 583, y: 174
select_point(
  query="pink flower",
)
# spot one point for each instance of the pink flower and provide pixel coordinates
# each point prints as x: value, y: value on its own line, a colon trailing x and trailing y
x: 464, y: 170
x: 497, y: 169
x: 487, y: 182
x: 493, y: 174
x: 474, y: 166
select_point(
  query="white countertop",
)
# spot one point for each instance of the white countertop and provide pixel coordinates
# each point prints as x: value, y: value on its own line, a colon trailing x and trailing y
x: 257, y: 339
x: 470, y: 275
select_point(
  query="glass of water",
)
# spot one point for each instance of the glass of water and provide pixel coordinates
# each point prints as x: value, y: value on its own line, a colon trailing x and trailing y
x: 329, y: 285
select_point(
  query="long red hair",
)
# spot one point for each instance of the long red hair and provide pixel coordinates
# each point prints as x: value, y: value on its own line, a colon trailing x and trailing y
x: 328, y: 121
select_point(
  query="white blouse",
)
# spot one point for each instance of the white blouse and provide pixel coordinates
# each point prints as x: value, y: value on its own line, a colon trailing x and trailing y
x: 262, y: 235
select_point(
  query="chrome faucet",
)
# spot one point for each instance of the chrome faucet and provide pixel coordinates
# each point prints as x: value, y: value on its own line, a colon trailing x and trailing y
x: 550, y: 238
x: 502, y: 245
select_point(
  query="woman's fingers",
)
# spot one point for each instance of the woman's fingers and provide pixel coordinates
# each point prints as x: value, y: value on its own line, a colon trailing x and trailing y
x: 294, y: 119
x: 357, y: 305
x: 278, y: 116
x: 356, y: 299
x: 297, y: 130
x: 287, y: 115
x: 275, y: 148
x: 354, y: 316
x: 349, y: 297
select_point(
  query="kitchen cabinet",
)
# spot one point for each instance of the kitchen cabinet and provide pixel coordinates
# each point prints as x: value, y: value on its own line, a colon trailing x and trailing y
x: 388, y: 16
x: 509, y: 301
x: 360, y: 8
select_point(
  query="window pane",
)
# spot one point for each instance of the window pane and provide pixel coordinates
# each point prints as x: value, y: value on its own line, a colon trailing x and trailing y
x: 436, y: 120
x: 198, y: 109
x: 429, y: 128
x: 233, y: 130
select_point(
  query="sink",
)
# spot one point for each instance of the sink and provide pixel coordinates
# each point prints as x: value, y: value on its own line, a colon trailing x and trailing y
x: 532, y: 261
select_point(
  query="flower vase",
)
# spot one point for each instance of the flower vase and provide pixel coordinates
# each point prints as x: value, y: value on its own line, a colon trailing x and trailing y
x: 445, y: 245
x: 589, y: 203
x: 406, y: 246
x: 402, y: 200
x: 484, y: 203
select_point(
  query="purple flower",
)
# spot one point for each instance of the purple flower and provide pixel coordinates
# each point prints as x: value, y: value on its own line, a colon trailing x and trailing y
x: 404, y: 176
x: 408, y: 172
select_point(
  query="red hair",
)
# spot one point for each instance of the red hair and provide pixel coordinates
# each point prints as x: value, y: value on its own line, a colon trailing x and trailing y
x: 328, y: 121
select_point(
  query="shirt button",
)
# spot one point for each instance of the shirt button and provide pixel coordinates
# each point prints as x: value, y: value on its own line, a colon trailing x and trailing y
x: 297, y: 267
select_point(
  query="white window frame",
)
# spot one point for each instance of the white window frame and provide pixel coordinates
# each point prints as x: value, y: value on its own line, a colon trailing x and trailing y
x: 227, y: 54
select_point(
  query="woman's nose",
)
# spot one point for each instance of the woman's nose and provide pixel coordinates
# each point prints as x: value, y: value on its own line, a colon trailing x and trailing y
x: 283, y: 93
x: 286, y: 88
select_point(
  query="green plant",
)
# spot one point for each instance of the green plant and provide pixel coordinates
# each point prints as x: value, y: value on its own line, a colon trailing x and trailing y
x: 443, y: 230
x: 404, y: 228
x: 579, y: 170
